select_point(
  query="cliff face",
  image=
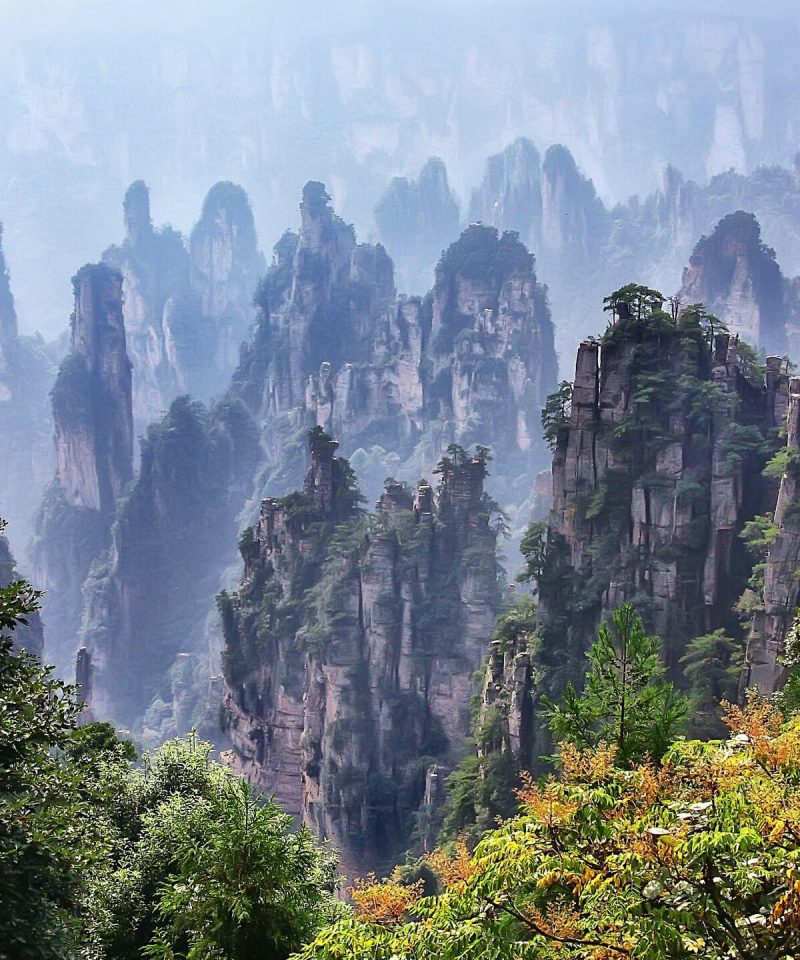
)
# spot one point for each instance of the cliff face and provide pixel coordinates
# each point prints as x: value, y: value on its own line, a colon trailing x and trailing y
x: 155, y: 270
x: 652, y: 485
x: 397, y: 380
x: 333, y: 346
x: 780, y: 596
x: 340, y: 703
x: 92, y: 413
x: 735, y: 275
x: 510, y: 194
x: 492, y: 348
x: 25, y: 425
x: 146, y: 598
x: 657, y: 467
x: 226, y: 269
x: 416, y: 220
x: 187, y: 306
x: 92, y: 396
x: 320, y: 305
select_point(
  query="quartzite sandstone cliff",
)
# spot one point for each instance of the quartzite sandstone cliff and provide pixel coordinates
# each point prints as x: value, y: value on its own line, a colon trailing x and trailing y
x: 351, y: 644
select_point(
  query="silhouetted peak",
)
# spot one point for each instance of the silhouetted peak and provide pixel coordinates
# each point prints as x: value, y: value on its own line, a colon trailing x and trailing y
x: 316, y: 199
x: 558, y: 161
x: 225, y: 195
x: 136, y: 205
x: 8, y: 315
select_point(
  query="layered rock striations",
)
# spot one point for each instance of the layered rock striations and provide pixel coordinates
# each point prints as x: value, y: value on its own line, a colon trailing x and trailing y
x: 653, y: 484
x: 351, y: 643
x: 188, y: 306
x: 776, y: 612
x: 659, y: 449
x: 92, y: 414
x: 398, y: 379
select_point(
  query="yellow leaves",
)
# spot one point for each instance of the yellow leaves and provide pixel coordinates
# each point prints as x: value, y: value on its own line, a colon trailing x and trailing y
x: 548, y: 804
x: 786, y: 912
x: 592, y: 765
x: 455, y: 870
x: 760, y: 727
x: 777, y: 831
x: 561, y: 922
x: 694, y: 945
x: 384, y: 902
x: 759, y: 720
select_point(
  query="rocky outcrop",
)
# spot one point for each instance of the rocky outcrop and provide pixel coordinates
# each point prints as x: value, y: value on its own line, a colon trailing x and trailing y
x: 340, y: 703
x: 188, y: 307
x: 651, y: 486
x: 510, y: 194
x: 92, y: 397
x: 333, y: 346
x: 735, y: 275
x: 492, y: 349
x: 398, y: 380
x: 92, y: 413
x: 574, y: 220
x: 780, y: 597
x: 144, y: 655
x: 226, y: 269
x: 154, y: 266
x: 25, y: 425
x: 416, y: 220
x: 657, y: 466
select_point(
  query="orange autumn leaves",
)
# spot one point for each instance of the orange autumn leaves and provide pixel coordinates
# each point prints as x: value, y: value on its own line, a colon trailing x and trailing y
x: 696, y: 856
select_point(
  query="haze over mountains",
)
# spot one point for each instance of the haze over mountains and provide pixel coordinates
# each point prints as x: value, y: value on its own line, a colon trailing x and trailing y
x: 353, y: 95
x: 339, y: 314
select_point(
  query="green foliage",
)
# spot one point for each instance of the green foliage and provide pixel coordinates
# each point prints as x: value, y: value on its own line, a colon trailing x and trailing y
x: 786, y: 459
x: 712, y: 666
x: 481, y: 254
x: 245, y: 886
x: 741, y: 441
x: 626, y: 701
x: 534, y: 550
x: 556, y: 413
x: 43, y: 818
x: 759, y: 534
x: 200, y: 866
x: 695, y: 856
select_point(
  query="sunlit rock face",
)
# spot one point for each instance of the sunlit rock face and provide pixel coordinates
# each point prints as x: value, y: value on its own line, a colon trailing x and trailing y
x: 93, y: 419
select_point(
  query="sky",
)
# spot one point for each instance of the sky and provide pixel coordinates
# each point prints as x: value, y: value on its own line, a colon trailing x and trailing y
x: 94, y: 94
